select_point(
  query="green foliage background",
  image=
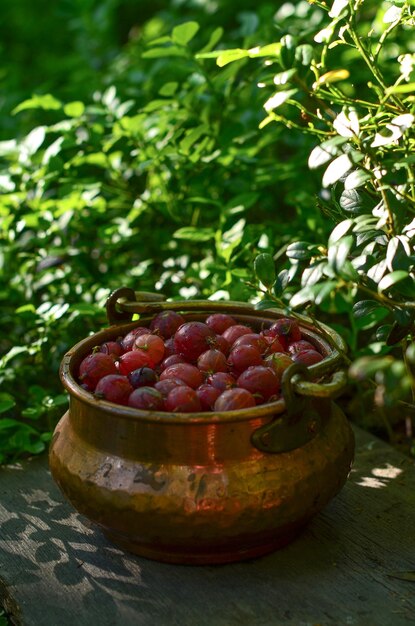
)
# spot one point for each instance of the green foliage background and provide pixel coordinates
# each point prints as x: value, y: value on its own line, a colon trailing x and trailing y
x: 136, y: 151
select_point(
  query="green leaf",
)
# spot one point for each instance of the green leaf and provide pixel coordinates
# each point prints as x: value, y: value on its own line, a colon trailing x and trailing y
x: 301, y: 250
x: 7, y: 402
x: 215, y: 37
x: 33, y: 412
x: 265, y: 304
x: 393, y: 14
x: 398, y: 332
x: 383, y: 332
x: 372, y: 320
x: 325, y: 152
x: 191, y: 233
x: 282, y: 78
x: 354, y: 202
x: 26, y: 308
x: 34, y: 139
x: 338, y: 253
x: 367, y: 367
x: 392, y: 279
x: 404, y: 317
x: 265, y: 269
x: 302, y: 297
x: 304, y: 54
x: 377, y: 271
x: 325, y: 290
x: 167, y: 51
x: 281, y: 282
x: 398, y: 254
x: 15, y: 351
x: 192, y: 136
x: 356, y: 179
x: 270, y: 50
x: 332, y: 76
x: 410, y: 353
x: 47, y: 102
x: 227, y: 241
x: 8, y: 148
x: 278, y: 99
x: 340, y: 230
x: 313, y: 274
x: 169, y: 89
x: 52, y: 150
x: 8, y: 424
x: 337, y: 168
x: 74, y: 109
x: 365, y: 308
x: 184, y: 33
x: 338, y: 7
x: 59, y: 400
x: 229, y: 56
x: 406, y: 88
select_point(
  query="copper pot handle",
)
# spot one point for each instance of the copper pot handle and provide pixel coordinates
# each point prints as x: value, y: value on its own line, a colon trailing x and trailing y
x: 118, y: 304
x: 301, y: 421
x: 124, y: 302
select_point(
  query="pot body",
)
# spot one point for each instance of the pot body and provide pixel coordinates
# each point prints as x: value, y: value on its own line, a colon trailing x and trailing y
x: 192, y: 490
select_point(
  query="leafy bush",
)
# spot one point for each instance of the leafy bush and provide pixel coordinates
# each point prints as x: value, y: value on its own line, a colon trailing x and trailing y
x: 162, y: 178
x: 363, y: 274
x: 155, y: 167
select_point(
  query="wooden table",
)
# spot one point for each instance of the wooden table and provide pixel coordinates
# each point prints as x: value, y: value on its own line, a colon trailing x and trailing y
x: 55, y: 569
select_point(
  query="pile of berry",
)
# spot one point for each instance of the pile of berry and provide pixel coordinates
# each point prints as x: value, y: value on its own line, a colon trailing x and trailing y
x: 179, y: 366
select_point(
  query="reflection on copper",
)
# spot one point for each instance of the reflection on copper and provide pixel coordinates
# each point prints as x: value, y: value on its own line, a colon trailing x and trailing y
x: 211, y: 445
x: 254, y: 453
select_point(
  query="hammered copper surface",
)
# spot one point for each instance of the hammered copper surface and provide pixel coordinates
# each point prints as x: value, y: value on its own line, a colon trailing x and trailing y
x: 192, y: 489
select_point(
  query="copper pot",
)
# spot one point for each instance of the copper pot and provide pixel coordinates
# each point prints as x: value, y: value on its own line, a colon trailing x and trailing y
x: 204, y: 487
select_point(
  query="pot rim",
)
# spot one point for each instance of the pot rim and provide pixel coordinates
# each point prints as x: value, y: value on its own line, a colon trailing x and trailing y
x: 271, y: 409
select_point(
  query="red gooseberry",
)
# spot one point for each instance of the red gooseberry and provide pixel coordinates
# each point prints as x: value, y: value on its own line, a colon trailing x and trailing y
x: 242, y: 357
x: 183, y: 400
x: 219, y: 322
x: 133, y: 360
x: 221, y: 380
x: 278, y: 362
x: 233, y: 399
x: 152, y: 345
x: 232, y: 333
x: 207, y: 396
x: 192, y: 339
x: 252, y: 339
x: 114, y: 388
x: 146, y: 398
x: 128, y: 341
x: 94, y: 367
x: 307, y: 357
x: 173, y: 359
x: 142, y: 377
x: 186, y: 372
x: 261, y: 381
x: 221, y: 344
x: 165, y: 386
x: 286, y: 329
x: 166, y: 323
x: 111, y: 347
x: 212, y: 361
x: 299, y: 346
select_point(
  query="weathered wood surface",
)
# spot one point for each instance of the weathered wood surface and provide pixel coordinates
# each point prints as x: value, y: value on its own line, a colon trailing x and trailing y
x: 55, y: 570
